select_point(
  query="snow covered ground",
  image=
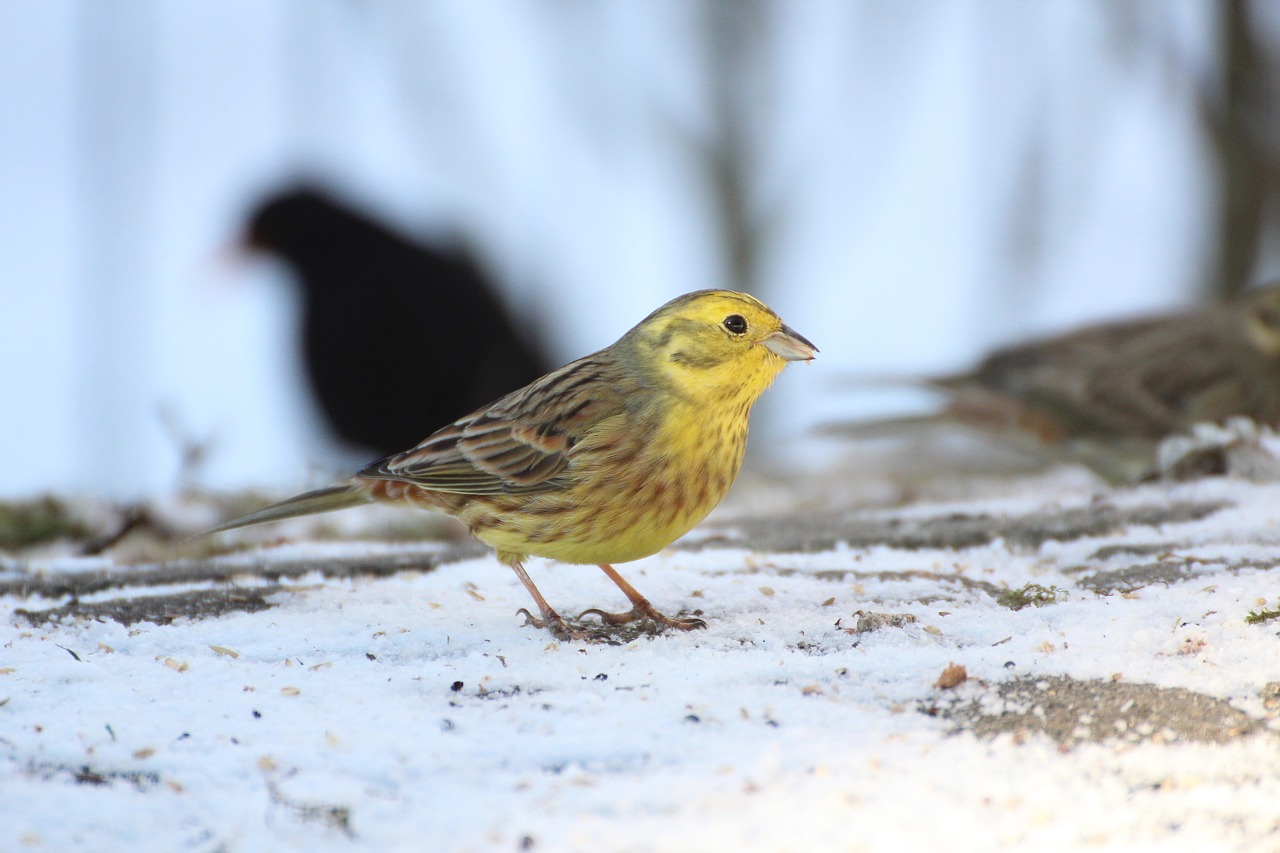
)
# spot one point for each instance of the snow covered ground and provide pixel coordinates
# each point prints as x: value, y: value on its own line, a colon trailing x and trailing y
x: 371, y: 707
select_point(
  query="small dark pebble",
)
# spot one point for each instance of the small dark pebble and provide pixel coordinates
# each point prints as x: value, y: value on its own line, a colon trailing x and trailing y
x: 89, y: 777
x: 1009, y: 664
x: 692, y: 718
x: 601, y: 677
x: 370, y: 655
x: 456, y: 686
x: 257, y: 715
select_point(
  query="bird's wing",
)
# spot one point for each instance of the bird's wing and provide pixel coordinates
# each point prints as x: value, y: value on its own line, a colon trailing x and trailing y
x: 517, y: 445
x: 1128, y: 378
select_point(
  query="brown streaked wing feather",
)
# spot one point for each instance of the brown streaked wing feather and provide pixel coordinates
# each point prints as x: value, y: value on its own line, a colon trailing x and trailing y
x: 517, y: 445
x: 1122, y: 377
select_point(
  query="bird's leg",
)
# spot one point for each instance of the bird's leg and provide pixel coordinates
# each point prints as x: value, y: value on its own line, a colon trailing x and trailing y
x: 550, y: 619
x: 640, y: 607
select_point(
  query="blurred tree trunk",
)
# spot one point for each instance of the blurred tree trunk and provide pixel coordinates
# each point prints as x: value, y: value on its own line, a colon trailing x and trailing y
x: 735, y: 34
x: 1236, y: 115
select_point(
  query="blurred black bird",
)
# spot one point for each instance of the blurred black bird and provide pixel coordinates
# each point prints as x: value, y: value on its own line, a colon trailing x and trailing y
x: 398, y: 337
x: 1108, y: 394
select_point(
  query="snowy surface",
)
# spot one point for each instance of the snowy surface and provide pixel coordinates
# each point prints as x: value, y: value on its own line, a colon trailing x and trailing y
x: 413, y: 711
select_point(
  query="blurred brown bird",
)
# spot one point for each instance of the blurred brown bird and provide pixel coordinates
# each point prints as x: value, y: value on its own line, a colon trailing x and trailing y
x: 1106, y: 395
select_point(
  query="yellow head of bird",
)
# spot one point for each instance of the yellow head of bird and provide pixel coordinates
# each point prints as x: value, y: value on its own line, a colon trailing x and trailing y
x: 716, y: 342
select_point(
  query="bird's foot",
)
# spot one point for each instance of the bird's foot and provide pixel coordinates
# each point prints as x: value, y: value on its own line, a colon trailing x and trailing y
x: 556, y: 624
x: 646, y: 612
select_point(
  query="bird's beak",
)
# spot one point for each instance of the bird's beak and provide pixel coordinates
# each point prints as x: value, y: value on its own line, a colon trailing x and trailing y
x: 790, y: 344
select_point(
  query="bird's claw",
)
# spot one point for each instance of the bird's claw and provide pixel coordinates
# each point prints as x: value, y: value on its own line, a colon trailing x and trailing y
x: 561, y: 628
x: 555, y: 623
x: 646, y: 613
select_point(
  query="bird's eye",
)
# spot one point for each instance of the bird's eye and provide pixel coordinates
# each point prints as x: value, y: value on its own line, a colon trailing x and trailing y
x: 735, y: 323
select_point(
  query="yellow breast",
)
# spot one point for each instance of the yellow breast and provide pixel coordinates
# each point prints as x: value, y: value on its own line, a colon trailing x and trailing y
x: 631, y: 502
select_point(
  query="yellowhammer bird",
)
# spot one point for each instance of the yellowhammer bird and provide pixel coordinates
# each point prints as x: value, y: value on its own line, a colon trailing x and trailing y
x: 606, y: 460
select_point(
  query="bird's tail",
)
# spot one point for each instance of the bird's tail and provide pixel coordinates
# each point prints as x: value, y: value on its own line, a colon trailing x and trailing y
x: 340, y: 496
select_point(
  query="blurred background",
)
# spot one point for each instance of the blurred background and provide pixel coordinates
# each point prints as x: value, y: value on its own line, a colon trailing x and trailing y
x: 908, y: 183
